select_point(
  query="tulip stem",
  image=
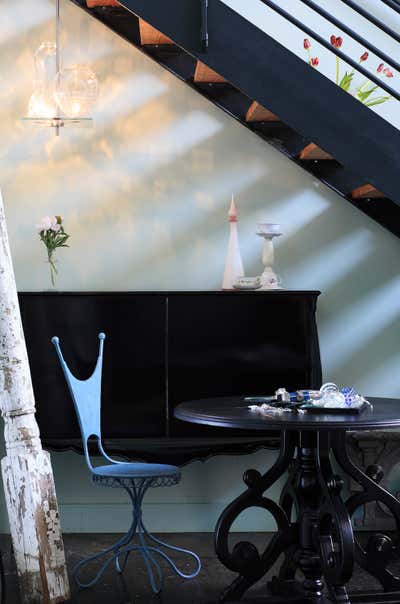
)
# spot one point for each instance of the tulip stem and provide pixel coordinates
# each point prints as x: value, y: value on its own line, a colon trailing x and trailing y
x: 363, y: 83
x: 337, y: 69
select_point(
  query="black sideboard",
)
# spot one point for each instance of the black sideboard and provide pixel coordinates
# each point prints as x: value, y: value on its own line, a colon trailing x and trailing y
x: 163, y: 348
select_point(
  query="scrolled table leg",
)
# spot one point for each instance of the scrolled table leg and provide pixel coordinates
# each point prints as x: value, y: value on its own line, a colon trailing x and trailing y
x: 288, y: 499
x: 380, y: 549
x: 306, y: 492
x: 285, y: 582
x: 244, y: 558
x: 335, y: 532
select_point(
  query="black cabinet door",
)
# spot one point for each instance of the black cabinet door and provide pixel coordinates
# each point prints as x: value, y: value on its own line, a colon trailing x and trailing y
x: 133, y: 393
x: 239, y: 344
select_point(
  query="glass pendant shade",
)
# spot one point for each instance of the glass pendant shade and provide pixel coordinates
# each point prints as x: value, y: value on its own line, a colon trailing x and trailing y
x: 42, y: 102
x: 61, y: 97
x: 76, y: 90
x: 46, y: 63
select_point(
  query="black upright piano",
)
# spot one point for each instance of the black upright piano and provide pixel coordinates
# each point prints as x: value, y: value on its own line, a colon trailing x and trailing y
x: 163, y: 348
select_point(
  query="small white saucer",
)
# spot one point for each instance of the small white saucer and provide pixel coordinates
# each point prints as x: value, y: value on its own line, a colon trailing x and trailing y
x: 247, y: 283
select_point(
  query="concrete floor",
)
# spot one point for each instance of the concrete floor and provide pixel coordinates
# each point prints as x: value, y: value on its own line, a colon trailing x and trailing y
x: 134, y: 587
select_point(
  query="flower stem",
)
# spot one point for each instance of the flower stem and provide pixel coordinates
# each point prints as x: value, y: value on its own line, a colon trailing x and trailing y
x: 53, y: 269
x: 337, y: 69
x: 365, y: 81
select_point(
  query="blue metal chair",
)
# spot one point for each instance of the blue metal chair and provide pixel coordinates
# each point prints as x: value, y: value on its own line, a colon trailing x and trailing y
x: 135, y: 478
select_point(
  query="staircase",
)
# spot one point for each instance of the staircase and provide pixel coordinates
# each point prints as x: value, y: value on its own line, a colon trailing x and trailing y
x: 242, y: 70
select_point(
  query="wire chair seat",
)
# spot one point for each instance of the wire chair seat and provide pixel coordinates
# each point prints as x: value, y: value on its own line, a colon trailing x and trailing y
x: 124, y: 474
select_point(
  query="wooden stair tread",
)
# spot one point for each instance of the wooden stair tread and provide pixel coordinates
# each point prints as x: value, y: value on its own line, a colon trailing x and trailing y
x: 313, y: 152
x: 204, y: 74
x: 258, y: 113
x: 148, y: 33
x: 94, y: 3
x: 151, y: 35
x: 367, y: 191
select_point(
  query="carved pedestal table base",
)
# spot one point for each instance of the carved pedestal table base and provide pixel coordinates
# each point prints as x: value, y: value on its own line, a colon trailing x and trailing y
x: 314, y: 534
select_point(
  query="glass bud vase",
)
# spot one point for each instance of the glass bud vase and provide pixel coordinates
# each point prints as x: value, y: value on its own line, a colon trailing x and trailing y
x: 52, y: 268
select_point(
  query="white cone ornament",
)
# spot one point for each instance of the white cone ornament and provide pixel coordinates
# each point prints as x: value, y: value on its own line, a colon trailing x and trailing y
x: 233, y: 264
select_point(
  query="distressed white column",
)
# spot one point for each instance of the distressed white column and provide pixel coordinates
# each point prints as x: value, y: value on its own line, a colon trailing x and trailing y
x: 27, y: 473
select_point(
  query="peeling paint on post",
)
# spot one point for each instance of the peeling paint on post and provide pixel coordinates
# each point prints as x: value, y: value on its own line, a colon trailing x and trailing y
x: 27, y: 473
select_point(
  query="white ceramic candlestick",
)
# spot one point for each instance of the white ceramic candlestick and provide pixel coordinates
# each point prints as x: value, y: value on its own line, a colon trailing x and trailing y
x: 269, y: 279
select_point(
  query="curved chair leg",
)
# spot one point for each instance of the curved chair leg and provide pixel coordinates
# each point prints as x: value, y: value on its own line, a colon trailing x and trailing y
x: 136, y: 495
x: 148, y: 551
x: 120, y: 551
x: 113, y: 548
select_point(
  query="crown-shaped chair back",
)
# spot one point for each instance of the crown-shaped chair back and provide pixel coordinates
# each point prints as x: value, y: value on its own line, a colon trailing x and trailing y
x: 86, y: 395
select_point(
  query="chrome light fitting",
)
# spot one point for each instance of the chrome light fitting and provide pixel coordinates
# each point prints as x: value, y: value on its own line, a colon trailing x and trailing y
x: 61, y: 96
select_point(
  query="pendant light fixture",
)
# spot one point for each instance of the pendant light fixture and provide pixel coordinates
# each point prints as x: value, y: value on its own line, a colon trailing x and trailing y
x: 61, y: 96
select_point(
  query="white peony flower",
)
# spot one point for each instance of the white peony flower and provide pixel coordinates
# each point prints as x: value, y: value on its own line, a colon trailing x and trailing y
x: 45, y: 224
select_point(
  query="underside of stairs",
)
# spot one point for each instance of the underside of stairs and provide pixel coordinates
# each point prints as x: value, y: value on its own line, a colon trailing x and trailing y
x: 357, y: 156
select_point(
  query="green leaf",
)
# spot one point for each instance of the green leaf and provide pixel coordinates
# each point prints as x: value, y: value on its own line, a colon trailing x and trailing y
x: 346, y: 80
x: 377, y: 101
x: 364, y: 94
x: 364, y: 85
x: 53, y: 240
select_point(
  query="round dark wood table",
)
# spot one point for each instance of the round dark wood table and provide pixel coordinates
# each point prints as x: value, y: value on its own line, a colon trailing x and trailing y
x: 314, y: 527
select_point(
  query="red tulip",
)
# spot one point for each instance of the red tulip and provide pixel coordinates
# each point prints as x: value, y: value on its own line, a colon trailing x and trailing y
x: 388, y: 73
x: 314, y: 61
x: 380, y: 67
x: 307, y: 43
x: 364, y: 56
x: 336, y: 41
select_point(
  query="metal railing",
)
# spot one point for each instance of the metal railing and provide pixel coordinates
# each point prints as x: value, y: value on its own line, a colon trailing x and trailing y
x: 356, y: 36
x: 372, y: 19
x: 394, y: 4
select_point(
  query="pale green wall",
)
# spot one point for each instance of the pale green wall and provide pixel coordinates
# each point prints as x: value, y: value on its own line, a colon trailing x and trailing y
x: 145, y: 195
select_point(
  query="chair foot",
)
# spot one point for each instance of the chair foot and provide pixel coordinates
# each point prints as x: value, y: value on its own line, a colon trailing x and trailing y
x: 149, y: 552
x: 120, y: 551
x: 112, y: 550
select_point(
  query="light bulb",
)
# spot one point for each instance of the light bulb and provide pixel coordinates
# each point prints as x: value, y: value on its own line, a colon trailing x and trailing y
x: 42, y: 104
x: 76, y: 90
